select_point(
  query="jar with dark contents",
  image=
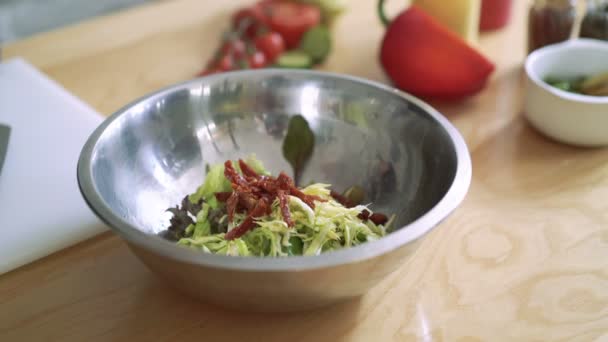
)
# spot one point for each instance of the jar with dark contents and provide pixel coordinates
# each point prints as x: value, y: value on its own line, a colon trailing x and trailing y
x: 595, y: 21
x: 550, y: 22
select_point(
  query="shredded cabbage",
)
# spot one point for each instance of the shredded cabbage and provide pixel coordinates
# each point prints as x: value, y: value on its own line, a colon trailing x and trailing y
x: 329, y: 226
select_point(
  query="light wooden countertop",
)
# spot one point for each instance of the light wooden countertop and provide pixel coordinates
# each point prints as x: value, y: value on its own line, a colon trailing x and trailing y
x: 525, y: 258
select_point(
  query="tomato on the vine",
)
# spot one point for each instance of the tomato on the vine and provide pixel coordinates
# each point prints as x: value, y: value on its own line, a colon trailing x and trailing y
x: 271, y: 44
x: 261, y: 33
x: 250, y: 19
x: 257, y: 60
x: 237, y: 47
x: 226, y: 63
x: 291, y: 20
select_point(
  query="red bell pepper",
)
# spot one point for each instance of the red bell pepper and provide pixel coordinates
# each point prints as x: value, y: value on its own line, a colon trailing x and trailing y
x: 424, y: 58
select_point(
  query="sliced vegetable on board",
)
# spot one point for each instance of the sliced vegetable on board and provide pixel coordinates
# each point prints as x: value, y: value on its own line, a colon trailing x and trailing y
x: 424, y: 58
x: 294, y: 60
x: 316, y: 43
x: 291, y: 20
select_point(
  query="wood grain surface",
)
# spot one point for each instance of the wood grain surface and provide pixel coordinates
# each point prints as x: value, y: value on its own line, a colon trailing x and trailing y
x: 525, y: 258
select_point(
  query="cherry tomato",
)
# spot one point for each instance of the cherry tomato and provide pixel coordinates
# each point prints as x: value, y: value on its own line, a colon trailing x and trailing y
x: 291, y: 20
x: 236, y: 47
x: 271, y: 44
x: 257, y: 60
x: 225, y: 63
x: 251, y: 18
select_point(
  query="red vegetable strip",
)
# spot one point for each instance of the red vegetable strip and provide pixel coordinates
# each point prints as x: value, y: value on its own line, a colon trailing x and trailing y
x: 253, y: 190
x: 234, y: 177
x: 308, y: 199
x: 267, y: 184
x: 364, y: 215
x: 222, y: 196
x: 284, y: 181
x: 231, y: 204
x: 378, y: 218
x: 247, y: 170
x: 247, y: 200
x: 341, y: 199
x: 248, y: 223
x: 284, y: 204
x: 269, y: 208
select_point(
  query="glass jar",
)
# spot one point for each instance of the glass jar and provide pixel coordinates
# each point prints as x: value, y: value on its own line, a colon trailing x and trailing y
x: 550, y: 22
x: 595, y: 21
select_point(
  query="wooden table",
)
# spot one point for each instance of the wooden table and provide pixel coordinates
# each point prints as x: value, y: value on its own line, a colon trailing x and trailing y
x: 525, y: 258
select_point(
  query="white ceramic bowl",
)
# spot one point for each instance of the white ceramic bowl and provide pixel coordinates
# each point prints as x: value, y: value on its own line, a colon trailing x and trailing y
x: 571, y: 118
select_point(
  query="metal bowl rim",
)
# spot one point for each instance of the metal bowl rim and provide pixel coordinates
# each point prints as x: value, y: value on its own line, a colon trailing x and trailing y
x: 406, y: 234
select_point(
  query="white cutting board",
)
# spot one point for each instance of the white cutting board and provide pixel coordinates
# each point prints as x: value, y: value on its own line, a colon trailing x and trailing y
x: 41, y: 209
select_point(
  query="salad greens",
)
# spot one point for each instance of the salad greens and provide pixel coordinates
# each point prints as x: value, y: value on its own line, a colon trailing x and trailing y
x: 316, y: 221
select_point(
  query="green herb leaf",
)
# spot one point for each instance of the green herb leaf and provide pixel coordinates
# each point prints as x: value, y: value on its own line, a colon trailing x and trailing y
x: 296, y: 246
x: 181, y: 218
x: 298, y: 145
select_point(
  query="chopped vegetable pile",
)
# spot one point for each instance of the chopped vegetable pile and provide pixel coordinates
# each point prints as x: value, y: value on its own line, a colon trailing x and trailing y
x: 594, y: 85
x: 279, y: 33
x: 241, y: 210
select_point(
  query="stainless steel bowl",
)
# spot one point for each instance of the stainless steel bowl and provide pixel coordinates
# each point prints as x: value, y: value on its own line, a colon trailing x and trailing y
x: 147, y: 156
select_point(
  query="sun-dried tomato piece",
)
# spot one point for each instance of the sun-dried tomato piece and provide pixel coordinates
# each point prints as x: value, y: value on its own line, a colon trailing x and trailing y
x: 247, y: 170
x: 231, y: 204
x: 267, y: 184
x: 364, y: 215
x: 249, y: 222
x: 247, y: 200
x: 341, y: 199
x: 250, y: 189
x: 284, y: 205
x: 223, y: 196
x: 308, y: 199
x: 233, y: 176
x: 378, y: 218
x: 284, y: 181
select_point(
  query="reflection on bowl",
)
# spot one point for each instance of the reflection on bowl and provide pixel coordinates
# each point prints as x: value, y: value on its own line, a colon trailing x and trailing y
x: 148, y: 155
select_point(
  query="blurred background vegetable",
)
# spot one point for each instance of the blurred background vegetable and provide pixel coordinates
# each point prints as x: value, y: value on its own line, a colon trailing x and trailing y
x: 278, y: 33
x: 423, y: 57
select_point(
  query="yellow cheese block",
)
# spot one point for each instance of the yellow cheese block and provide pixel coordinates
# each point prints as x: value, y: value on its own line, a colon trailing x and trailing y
x: 460, y: 16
